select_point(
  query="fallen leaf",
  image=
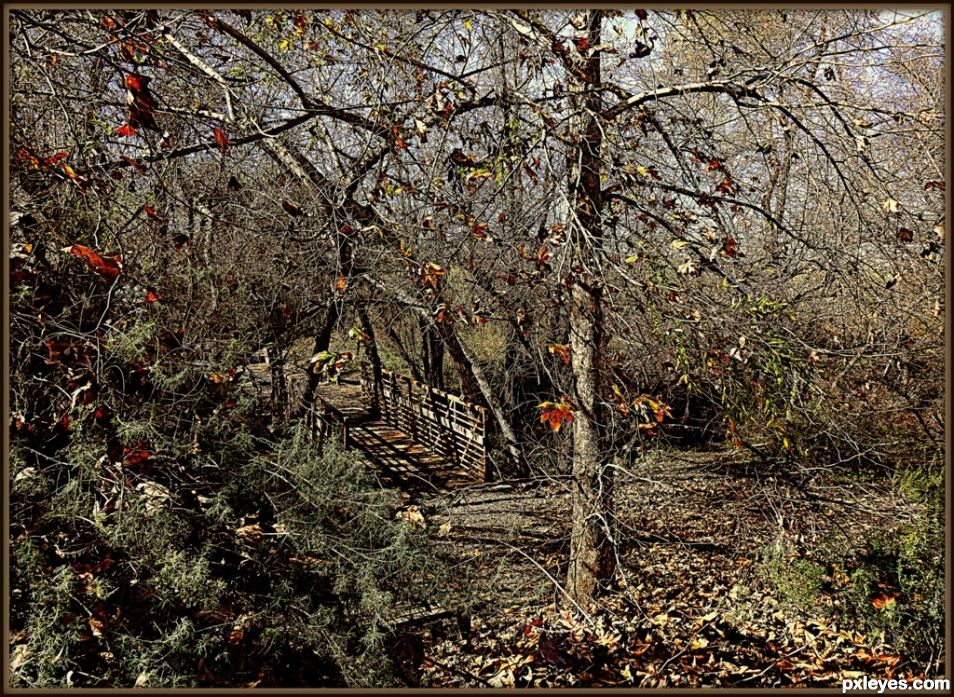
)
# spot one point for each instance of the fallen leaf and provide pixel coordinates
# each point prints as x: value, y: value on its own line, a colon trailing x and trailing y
x: 107, y: 266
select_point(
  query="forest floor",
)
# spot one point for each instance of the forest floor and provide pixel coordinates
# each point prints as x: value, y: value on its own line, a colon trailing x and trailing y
x: 692, y: 605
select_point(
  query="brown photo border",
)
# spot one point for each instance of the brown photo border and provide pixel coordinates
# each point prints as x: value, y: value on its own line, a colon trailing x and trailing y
x: 5, y: 688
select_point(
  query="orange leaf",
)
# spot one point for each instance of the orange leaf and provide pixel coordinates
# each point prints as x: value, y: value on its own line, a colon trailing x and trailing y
x: 24, y: 155
x: 399, y: 143
x: 430, y: 273
x: 561, y: 350
x: 109, y: 267
x: 151, y: 296
x: 542, y: 255
x: 222, y: 139
x: 555, y: 414
x: 81, y: 182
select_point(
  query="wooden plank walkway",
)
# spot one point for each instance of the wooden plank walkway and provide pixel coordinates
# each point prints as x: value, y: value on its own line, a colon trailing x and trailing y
x: 397, y: 460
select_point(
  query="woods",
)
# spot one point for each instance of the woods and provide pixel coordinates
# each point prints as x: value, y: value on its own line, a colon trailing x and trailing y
x: 686, y: 266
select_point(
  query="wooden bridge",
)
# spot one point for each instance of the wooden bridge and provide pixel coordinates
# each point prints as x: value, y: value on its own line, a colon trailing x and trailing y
x: 421, y: 439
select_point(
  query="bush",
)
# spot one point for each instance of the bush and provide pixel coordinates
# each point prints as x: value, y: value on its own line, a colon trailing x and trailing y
x: 896, y: 588
x: 799, y: 582
x: 284, y: 572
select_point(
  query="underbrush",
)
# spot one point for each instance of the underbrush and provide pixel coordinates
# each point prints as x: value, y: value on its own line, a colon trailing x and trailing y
x: 276, y: 567
x: 889, y: 586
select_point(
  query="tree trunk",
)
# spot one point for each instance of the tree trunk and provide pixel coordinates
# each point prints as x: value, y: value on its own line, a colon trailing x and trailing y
x: 375, y: 358
x: 471, y: 372
x: 432, y: 354
x: 591, y: 552
x: 322, y: 342
x: 474, y: 384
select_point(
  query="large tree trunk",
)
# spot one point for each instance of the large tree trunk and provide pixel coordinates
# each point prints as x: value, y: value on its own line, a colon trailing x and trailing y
x: 591, y: 552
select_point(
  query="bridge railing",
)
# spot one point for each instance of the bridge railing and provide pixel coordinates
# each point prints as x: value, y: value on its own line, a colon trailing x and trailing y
x: 445, y: 423
x: 322, y: 419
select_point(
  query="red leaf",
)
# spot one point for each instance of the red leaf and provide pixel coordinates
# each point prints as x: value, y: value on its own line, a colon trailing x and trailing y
x: 53, y: 159
x: 135, y: 165
x: 141, y: 102
x: 480, y: 230
x: 292, y: 209
x: 715, y: 164
x: 222, y: 139
x: 905, y: 235
x: 151, y: 296
x: 137, y: 455
x: 108, y: 267
x: 641, y: 14
x: 125, y: 130
x: 151, y: 212
x: 136, y: 83
x: 582, y: 44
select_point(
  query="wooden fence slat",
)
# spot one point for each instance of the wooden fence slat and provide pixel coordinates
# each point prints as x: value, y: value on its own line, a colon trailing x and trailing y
x: 447, y: 424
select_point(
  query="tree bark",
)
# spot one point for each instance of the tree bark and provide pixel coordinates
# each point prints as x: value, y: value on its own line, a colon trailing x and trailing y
x: 322, y: 342
x: 374, y: 357
x: 432, y: 354
x: 591, y: 552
